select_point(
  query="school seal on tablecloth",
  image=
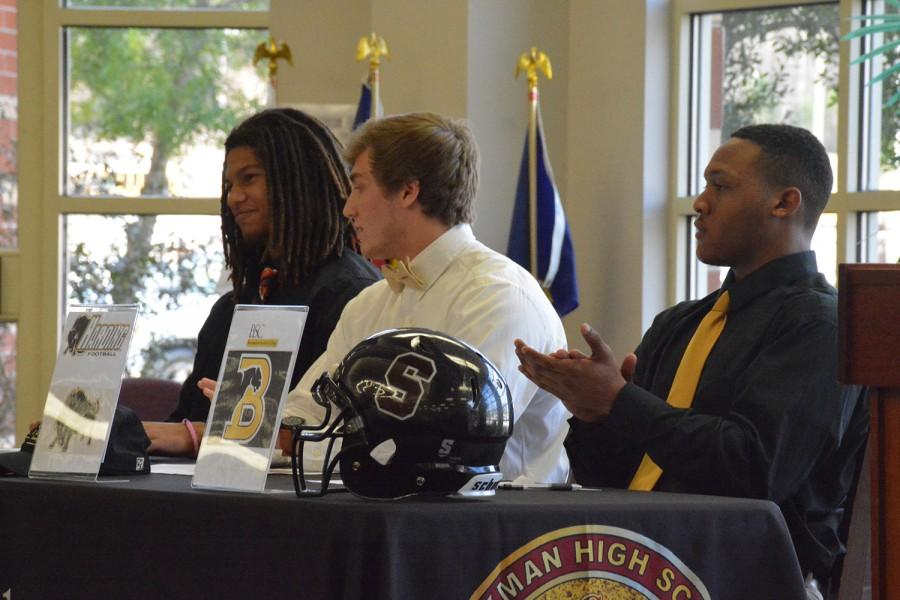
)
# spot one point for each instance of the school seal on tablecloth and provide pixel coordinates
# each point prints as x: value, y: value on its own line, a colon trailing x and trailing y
x: 591, y: 562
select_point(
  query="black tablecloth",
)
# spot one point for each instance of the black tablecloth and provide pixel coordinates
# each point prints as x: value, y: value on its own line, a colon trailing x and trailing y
x: 155, y: 537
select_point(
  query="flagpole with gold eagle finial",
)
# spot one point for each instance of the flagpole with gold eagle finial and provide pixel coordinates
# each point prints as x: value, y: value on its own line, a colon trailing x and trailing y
x: 273, y: 51
x: 530, y: 63
x: 374, y: 48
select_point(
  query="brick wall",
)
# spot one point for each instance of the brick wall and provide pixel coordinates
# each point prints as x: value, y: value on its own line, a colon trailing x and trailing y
x: 8, y: 86
x: 8, y: 51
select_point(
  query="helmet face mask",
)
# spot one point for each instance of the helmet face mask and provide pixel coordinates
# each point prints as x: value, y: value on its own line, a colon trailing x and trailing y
x: 419, y: 412
x: 323, y: 390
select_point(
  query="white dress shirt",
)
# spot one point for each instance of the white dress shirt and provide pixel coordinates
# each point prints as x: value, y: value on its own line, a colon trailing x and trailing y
x: 485, y: 299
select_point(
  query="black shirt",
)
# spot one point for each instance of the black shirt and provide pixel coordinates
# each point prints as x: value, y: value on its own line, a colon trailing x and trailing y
x: 325, y: 291
x: 769, y: 419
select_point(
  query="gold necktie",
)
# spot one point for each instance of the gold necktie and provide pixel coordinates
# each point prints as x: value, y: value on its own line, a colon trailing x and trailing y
x: 398, y: 274
x: 681, y: 394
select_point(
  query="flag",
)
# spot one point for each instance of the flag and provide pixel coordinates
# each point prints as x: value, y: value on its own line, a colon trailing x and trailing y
x: 555, y: 255
x: 364, y: 110
x: 363, y: 114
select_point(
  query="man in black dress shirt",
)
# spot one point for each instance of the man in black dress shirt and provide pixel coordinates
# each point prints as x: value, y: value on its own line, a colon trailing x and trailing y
x: 768, y: 419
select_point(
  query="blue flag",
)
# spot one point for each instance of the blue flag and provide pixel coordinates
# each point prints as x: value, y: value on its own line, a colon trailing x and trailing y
x: 555, y: 255
x: 364, y: 110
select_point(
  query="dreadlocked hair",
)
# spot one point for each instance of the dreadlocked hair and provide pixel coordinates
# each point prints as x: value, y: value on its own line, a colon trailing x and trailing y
x: 308, y: 186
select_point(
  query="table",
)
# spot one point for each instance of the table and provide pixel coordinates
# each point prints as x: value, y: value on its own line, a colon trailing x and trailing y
x: 155, y: 537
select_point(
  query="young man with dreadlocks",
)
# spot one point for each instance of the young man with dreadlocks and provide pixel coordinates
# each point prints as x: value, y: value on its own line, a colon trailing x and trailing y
x: 284, y: 186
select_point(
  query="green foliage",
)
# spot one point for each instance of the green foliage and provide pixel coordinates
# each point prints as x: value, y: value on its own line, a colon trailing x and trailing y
x: 888, y: 27
x: 9, y: 214
x: 8, y: 239
x: 168, y: 357
x: 9, y: 184
x: 168, y: 87
x: 172, y: 89
x: 752, y: 92
x: 177, y: 4
x: 159, y: 275
x: 7, y: 385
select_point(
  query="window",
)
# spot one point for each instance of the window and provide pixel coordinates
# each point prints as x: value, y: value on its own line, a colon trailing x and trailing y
x: 7, y: 385
x: 138, y: 96
x: 772, y: 65
x: 148, y: 119
x: 879, y: 236
x: 170, y: 264
x: 147, y: 110
x: 9, y: 217
x: 881, y: 138
x: 172, y: 4
x: 755, y: 63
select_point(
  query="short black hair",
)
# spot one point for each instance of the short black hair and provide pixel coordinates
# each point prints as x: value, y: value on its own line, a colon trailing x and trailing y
x: 793, y: 157
x: 308, y: 185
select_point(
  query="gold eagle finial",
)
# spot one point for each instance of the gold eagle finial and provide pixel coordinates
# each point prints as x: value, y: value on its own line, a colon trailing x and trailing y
x: 273, y: 51
x: 372, y: 47
x: 531, y: 63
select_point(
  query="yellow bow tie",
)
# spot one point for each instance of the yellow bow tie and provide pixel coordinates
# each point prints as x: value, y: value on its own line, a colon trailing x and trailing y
x: 398, y: 274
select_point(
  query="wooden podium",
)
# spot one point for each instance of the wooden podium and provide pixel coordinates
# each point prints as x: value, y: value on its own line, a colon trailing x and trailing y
x: 869, y: 316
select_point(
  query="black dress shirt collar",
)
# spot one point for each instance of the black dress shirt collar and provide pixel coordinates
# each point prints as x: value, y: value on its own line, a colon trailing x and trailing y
x: 773, y: 274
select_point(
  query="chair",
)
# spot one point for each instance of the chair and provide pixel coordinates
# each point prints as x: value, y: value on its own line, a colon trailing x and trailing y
x: 152, y: 399
x: 852, y: 578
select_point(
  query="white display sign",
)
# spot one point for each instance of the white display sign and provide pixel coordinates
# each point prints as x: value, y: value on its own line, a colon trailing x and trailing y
x: 242, y: 426
x: 84, y: 391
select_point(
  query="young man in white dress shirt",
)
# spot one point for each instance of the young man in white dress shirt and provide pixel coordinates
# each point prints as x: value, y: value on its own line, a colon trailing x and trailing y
x: 414, y: 181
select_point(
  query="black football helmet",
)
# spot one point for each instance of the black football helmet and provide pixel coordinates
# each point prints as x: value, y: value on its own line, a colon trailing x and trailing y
x: 420, y: 412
